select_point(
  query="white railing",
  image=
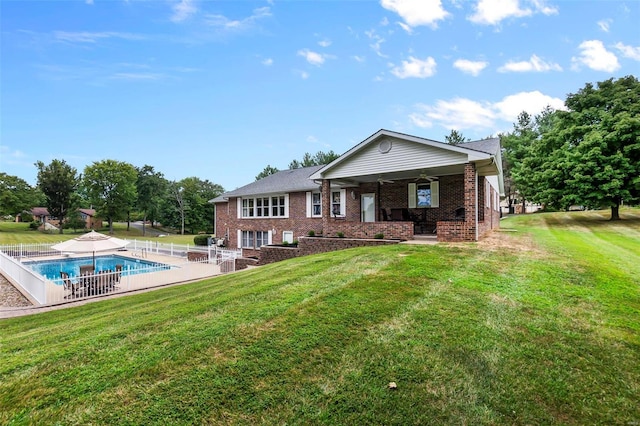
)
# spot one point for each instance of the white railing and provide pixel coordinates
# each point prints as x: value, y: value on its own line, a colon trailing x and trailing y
x: 29, y: 250
x: 45, y: 291
x: 31, y: 283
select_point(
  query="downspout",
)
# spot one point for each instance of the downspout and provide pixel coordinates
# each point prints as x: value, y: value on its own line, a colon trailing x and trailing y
x: 477, y: 206
x: 214, y: 219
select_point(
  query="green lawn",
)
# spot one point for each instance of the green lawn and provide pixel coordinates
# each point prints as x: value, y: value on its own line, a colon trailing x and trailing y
x: 541, y: 327
x: 19, y: 233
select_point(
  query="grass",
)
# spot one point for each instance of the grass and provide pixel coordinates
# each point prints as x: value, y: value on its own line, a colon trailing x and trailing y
x: 19, y: 233
x: 543, y: 328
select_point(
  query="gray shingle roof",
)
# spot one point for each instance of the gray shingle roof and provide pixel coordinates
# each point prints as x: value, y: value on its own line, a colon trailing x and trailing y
x: 294, y: 180
x: 490, y: 146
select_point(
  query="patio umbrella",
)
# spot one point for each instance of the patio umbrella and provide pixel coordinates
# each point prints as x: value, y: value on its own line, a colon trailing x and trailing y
x: 91, y: 242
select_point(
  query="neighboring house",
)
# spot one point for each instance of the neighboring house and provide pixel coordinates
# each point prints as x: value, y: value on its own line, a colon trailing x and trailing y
x: 393, y: 184
x: 41, y: 214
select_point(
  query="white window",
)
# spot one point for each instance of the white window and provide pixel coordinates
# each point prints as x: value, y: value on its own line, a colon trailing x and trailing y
x: 248, y: 207
x: 247, y: 239
x: 276, y: 206
x: 424, y: 195
x: 316, y: 204
x: 254, y: 239
x: 262, y: 238
x: 262, y: 207
x: 338, y: 201
x: 287, y: 236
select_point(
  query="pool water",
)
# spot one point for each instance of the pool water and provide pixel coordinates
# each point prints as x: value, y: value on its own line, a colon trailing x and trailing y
x: 51, y: 269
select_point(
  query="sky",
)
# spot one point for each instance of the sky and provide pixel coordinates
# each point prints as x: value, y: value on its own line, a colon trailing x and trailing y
x: 221, y: 89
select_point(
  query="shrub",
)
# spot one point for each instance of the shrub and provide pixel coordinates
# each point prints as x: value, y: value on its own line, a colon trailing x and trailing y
x: 34, y: 224
x: 311, y: 233
x: 285, y: 243
x: 379, y: 236
x: 201, y: 239
x: 26, y: 217
x: 340, y: 234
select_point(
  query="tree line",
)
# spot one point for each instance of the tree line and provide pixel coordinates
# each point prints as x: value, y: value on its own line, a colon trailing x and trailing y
x: 117, y: 191
x: 586, y: 155
x: 120, y: 191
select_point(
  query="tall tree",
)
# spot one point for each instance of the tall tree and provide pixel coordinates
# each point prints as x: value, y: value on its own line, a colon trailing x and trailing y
x: 590, y: 154
x: 111, y: 187
x: 318, y: 159
x: 152, y: 187
x: 16, y: 195
x: 605, y: 130
x: 267, y: 171
x: 58, y: 181
x: 516, y: 147
x: 455, y: 138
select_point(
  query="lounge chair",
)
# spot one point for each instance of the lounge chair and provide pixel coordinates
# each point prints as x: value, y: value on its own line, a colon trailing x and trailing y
x: 73, y: 287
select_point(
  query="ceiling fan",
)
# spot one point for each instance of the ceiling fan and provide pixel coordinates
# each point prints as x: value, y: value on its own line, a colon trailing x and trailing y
x: 424, y: 176
x: 382, y: 181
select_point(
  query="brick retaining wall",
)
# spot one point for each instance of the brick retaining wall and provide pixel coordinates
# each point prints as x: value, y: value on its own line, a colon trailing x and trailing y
x: 314, y: 245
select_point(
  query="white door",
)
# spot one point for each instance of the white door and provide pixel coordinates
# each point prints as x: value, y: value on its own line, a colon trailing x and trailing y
x: 368, y: 207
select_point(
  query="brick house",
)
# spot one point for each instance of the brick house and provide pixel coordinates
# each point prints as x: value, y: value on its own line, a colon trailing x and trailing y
x: 397, y: 185
x: 41, y: 214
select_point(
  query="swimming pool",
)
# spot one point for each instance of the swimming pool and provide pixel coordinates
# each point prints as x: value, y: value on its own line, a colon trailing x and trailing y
x: 51, y: 269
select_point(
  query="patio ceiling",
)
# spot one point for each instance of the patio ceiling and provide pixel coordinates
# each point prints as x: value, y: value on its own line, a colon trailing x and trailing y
x: 487, y: 169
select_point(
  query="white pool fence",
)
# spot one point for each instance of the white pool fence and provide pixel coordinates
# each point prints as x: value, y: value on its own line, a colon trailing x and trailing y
x: 211, y: 261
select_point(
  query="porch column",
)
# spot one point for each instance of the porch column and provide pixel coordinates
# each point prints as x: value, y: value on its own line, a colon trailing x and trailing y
x: 326, y: 207
x: 470, y: 201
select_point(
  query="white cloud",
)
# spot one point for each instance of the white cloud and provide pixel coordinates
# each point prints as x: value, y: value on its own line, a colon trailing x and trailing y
x: 376, y: 42
x: 314, y: 58
x: 137, y: 76
x: 604, y: 25
x: 492, y: 12
x: 325, y: 43
x: 532, y: 102
x: 629, y: 51
x: 458, y: 113
x: 533, y: 64
x: 595, y: 56
x: 359, y: 58
x: 406, y: 27
x: 417, y: 12
x: 224, y: 23
x: 415, y: 68
x: 268, y: 62
x: 89, y: 37
x: 470, y: 67
x: 541, y: 6
x: 183, y: 10
x: 462, y: 113
x: 12, y: 156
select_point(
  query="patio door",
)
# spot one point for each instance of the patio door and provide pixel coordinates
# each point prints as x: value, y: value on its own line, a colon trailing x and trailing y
x: 368, y: 207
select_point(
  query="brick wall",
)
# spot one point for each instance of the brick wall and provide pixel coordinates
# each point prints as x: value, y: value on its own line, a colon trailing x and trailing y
x: 393, y: 230
x: 243, y: 263
x: 314, y: 245
x: 227, y: 221
x: 455, y: 191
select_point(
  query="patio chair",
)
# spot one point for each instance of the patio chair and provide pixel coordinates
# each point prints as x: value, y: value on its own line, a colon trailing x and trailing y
x: 385, y: 216
x: 73, y: 287
x: 115, y: 278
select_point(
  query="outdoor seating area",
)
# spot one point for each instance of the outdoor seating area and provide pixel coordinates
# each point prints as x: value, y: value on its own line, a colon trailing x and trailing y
x: 92, y: 283
x: 420, y: 223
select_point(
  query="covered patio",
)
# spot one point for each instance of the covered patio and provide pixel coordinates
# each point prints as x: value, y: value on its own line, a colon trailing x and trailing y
x: 403, y: 186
